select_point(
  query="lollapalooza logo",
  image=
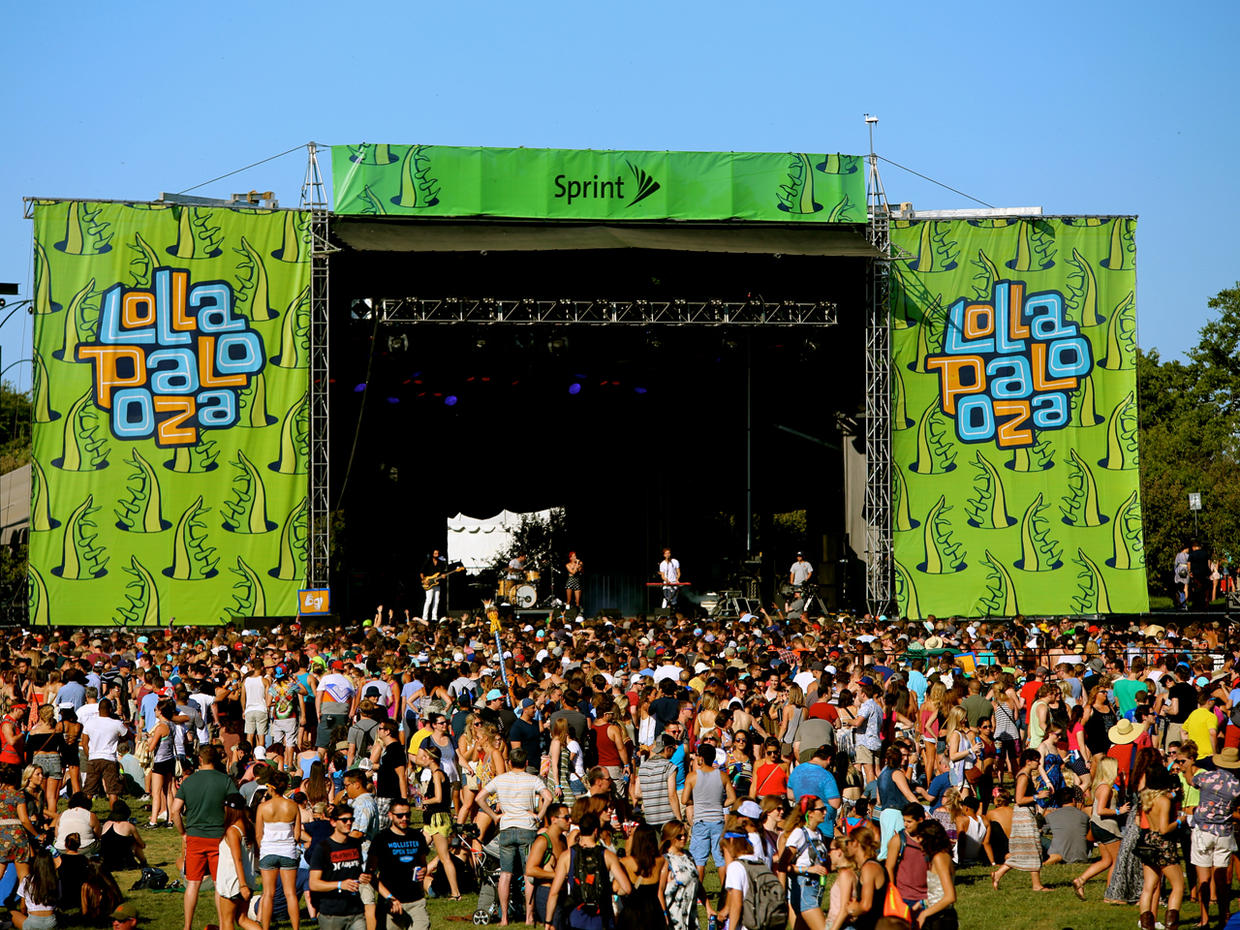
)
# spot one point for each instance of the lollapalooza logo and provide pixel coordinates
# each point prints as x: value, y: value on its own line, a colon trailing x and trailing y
x: 1009, y: 366
x: 172, y: 359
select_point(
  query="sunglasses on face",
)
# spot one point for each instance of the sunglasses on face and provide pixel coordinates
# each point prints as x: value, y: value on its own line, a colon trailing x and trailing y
x: 344, y: 819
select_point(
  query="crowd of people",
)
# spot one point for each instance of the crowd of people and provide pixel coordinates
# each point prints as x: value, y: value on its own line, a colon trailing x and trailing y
x: 584, y: 773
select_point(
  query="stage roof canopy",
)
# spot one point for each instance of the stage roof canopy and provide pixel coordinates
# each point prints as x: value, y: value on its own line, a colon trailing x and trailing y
x: 795, y: 188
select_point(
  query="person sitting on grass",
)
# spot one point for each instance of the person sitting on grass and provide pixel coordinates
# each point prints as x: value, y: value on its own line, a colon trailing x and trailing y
x: 1067, y: 824
x: 120, y: 844
x: 39, y: 892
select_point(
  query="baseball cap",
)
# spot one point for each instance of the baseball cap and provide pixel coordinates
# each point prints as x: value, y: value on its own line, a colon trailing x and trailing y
x: 494, y: 694
x: 126, y: 911
x: 750, y: 809
x: 526, y: 703
x: 337, y: 666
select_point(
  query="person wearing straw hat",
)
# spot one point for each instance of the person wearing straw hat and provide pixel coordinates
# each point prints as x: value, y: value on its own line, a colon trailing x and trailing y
x: 1213, y: 840
x: 1126, y: 738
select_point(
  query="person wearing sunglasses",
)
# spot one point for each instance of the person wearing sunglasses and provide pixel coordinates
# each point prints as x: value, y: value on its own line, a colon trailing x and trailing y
x: 336, y: 875
x: 397, y: 860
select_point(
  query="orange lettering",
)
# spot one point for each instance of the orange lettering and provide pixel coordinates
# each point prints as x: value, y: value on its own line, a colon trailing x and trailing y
x: 132, y: 306
x: 950, y: 368
x: 180, y: 319
x: 206, y: 367
x: 167, y: 432
x: 107, y: 375
x: 1040, y: 383
x: 974, y: 317
x: 1016, y: 310
x: 1009, y: 435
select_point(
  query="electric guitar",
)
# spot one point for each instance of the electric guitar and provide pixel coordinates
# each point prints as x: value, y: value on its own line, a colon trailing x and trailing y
x: 429, y: 581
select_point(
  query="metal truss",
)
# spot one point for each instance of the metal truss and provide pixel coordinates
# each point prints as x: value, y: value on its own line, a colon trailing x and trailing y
x: 879, y: 562
x: 531, y: 311
x: 314, y: 200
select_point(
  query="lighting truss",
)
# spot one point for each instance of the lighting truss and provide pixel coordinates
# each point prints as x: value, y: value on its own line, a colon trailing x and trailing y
x: 879, y: 557
x: 531, y: 311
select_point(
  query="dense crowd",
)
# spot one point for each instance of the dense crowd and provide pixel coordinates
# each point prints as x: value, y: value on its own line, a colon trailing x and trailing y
x: 583, y: 773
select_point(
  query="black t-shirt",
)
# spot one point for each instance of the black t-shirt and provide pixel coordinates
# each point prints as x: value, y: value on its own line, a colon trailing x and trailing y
x: 393, y: 860
x: 1199, y: 564
x: 433, y: 566
x: 664, y: 711
x: 1187, y: 695
x: 387, y: 784
x: 528, y: 736
x: 338, y: 862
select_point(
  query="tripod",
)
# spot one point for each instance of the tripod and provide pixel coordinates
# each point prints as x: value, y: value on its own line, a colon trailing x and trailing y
x: 808, y: 602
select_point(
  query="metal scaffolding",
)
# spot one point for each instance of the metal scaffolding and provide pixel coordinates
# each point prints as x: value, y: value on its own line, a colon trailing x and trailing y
x: 314, y: 201
x: 879, y: 577
x: 531, y: 311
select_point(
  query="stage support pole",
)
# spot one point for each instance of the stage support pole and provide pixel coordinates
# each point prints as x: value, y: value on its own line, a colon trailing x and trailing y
x: 879, y: 567
x: 314, y: 201
x: 748, y: 445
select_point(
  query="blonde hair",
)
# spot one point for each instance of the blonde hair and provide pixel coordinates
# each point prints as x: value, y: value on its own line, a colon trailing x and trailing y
x: 938, y: 691
x: 1108, y: 771
x: 796, y: 696
x: 956, y: 718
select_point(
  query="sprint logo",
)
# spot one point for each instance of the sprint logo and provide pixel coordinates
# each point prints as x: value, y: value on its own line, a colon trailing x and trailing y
x: 596, y: 188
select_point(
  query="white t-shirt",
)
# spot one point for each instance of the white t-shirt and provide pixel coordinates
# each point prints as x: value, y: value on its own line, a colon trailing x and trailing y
x: 667, y: 671
x: 736, y: 877
x: 336, y: 688
x: 104, y: 733
x: 800, y: 572
x: 255, y: 688
x: 670, y: 569
x: 804, y: 679
x: 88, y: 712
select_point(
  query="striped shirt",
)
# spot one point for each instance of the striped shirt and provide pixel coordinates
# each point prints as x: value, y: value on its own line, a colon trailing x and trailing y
x: 518, y: 794
x: 652, y: 778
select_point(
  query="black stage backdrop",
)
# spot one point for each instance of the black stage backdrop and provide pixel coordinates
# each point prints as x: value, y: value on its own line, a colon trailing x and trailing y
x: 639, y: 433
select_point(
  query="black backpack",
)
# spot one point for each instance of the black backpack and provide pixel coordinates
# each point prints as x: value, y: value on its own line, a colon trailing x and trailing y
x: 589, y: 884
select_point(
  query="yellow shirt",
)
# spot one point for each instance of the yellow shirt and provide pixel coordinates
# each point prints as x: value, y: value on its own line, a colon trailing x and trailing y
x: 418, y: 737
x: 1197, y: 728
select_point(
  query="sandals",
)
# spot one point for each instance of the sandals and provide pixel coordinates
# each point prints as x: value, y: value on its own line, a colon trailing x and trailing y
x: 1078, y: 889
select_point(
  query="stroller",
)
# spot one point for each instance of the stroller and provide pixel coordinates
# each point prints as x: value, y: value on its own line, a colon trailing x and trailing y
x: 484, y: 866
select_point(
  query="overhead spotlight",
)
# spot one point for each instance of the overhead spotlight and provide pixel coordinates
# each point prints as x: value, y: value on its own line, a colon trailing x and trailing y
x: 639, y: 390
x: 450, y: 400
x: 557, y: 344
x: 362, y: 308
x: 393, y: 400
x: 729, y: 344
x: 480, y: 344
x: 358, y: 388
x: 575, y: 388
x: 811, y: 346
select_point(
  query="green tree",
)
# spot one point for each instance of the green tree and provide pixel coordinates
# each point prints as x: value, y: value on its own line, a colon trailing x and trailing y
x: 1189, y: 427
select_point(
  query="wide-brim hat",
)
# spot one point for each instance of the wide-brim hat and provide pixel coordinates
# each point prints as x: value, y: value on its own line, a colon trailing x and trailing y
x: 934, y: 642
x: 1229, y: 758
x: 1125, y: 732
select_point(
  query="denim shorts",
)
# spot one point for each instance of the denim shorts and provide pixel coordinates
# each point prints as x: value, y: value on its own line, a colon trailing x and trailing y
x: 704, y: 842
x: 806, y: 892
x: 277, y: 862
x: 514, y: 849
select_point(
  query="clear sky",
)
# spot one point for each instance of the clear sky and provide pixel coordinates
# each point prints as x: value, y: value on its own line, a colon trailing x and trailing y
x: 1078, y: 107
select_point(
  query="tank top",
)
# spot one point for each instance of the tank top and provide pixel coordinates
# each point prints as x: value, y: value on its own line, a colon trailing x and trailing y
x: 794, y: 724
x: 1037, y: 732
x: 75, y: 820
x: 254, y: 691
x: 608, y: 754
x: 911, y: 871
x: 163, y: 749
x: 278, y: 840
x: 708, y: 794
x: 442, y: 807
x: 889, y: 794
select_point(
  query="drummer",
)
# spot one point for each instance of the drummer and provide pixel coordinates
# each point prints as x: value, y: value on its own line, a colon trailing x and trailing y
x: 516, y: 568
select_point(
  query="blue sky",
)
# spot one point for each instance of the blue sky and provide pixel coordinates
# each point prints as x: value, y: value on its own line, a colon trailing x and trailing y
x: 1077, y: 107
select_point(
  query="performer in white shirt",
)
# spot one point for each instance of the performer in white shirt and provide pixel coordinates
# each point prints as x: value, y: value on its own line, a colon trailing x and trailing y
x: 800, y: 572
x: 669, y: 571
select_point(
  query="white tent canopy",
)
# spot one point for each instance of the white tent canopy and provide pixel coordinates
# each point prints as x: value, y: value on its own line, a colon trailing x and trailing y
x: 476, y: 543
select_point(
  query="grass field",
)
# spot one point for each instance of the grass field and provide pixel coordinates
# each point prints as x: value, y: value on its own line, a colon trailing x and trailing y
x: 1014, y: 907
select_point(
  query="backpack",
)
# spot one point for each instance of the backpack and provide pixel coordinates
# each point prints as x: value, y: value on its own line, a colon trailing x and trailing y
x: 764, y: 906
x: 589, y: 888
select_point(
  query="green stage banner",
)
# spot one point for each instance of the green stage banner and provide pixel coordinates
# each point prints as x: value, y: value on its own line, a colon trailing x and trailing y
x: 582, y: 184
x: 1014, y: 417
x: 171, y: 409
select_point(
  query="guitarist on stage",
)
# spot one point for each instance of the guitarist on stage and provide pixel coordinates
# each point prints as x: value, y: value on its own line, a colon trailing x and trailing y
x: 432, y: 567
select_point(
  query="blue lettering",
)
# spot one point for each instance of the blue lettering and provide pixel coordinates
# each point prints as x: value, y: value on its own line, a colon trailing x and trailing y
x: 172, y: 371
x: 133, y: 414
x: 1050, y: 411
x: 975, y: 418
x: 1010, y: 376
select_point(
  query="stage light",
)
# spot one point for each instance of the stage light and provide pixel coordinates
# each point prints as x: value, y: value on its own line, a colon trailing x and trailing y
x: 450, y: 400
x: 393, y: 400
x: 557, y: 344
x: 639, y: 390
x: 574, y: 388
x: 357, y: 389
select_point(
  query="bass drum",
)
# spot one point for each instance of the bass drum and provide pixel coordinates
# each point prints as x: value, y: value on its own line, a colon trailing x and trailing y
x: 524, y: 596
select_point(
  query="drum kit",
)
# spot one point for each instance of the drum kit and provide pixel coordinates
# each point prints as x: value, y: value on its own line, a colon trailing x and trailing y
x: 520, y: 592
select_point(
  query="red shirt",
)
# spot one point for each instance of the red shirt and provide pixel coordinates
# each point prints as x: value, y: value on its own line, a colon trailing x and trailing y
x: 821, y: 710
x: 1028, y: 694
x: 770, y: 779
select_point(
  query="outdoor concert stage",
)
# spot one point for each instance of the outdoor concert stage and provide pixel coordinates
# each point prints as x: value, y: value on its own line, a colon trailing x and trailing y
x: 640, y: 431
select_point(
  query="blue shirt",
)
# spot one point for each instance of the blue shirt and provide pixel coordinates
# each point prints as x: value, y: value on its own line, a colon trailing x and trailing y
x: 678, y: 760
x: 150, y: 715
x: 938, y: 785
x: 71, y: 693
x: 812, y: 778
x: 917, y: 684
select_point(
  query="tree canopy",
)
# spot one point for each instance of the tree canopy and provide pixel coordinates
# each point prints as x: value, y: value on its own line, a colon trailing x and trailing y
x: 1190, y: 442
